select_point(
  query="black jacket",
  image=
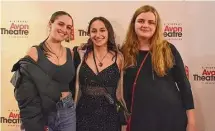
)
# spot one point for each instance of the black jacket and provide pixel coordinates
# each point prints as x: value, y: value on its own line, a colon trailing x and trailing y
x: 35, y: 92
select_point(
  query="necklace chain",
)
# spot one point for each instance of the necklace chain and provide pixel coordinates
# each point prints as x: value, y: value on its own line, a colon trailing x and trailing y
x: 100, y: 61
x: 57, y: 56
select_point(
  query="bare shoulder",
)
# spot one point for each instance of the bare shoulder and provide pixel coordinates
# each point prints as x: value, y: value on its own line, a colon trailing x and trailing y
x: 32, y: 52
x: 120, y: 60
x: 120, y: 56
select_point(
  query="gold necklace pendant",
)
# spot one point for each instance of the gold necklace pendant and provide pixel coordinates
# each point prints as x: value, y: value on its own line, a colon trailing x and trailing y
x: 100, y: 64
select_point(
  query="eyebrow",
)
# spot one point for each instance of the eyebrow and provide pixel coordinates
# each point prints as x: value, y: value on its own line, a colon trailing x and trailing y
x: 64, y: 23
x: 103, y: 28
x: 99, y: 28
x: 144, y: 19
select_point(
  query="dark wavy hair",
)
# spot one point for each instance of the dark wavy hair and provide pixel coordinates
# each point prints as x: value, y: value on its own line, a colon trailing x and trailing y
x: 111, y: 43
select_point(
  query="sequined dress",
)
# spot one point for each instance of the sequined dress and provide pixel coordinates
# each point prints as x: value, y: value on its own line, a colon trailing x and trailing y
x: 94, y: 110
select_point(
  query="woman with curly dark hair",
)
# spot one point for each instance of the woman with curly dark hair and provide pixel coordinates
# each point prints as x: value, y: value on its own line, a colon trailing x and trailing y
x: 98, y: 76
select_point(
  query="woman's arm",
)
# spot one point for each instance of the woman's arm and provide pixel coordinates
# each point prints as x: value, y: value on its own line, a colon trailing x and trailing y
x: 29, y: 104
x: 119, y: 91
x: 28, y: 98
x: 184, y: 86
x: 77, y: 63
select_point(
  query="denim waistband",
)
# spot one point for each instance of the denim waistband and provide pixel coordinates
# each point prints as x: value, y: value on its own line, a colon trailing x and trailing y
x: 66, y: 102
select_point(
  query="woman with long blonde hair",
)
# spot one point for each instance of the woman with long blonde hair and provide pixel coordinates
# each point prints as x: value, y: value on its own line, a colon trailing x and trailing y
x: 157, y: 90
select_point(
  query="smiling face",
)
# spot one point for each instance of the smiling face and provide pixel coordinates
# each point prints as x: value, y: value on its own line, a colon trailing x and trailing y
x: 61, y: 28
x: 98, y: 33
x: 145, y: 25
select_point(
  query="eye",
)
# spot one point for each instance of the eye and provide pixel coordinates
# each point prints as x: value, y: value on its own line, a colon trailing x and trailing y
x: 152, y: 22
x: 102, y: 30
x: 93, y: 31
x: 61, y: 24
x: 140, y: 21
x: 69, y: 28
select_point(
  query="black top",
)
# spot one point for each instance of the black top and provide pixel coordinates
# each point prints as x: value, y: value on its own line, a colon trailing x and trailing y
x: 35, y: 93
x: 159, y: 103
x: 63, y: 74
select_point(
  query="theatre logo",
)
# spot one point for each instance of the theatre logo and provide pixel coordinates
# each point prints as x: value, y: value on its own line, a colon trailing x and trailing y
x: 16, y: 29
x: 206, y: 75
x: 82, y: 32
x: 12, y: 118
x: 173, y: 31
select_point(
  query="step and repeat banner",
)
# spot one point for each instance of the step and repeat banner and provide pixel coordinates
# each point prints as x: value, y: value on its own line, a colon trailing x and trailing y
x: 188, y: 25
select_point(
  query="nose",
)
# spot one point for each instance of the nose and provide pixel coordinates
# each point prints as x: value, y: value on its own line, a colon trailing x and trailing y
x: 145, y: 24
x: 64, y: 29
x: 98, y: 34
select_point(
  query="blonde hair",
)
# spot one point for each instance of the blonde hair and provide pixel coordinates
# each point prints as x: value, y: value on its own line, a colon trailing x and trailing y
x: 162, y: 57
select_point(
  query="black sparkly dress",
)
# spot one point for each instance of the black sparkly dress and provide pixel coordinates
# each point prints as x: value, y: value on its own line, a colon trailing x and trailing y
x: 94, y: 111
